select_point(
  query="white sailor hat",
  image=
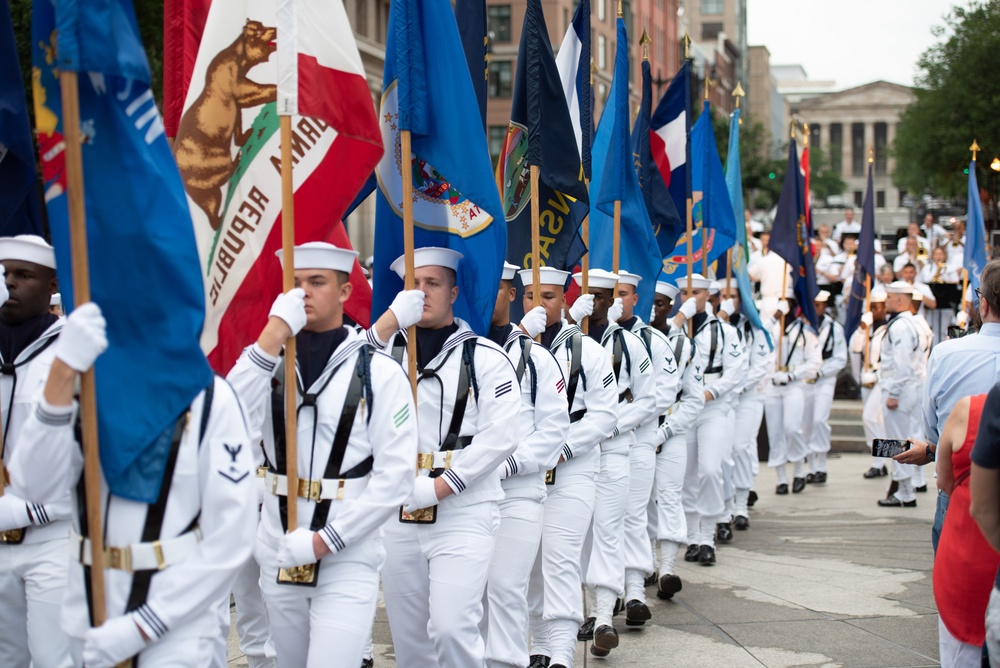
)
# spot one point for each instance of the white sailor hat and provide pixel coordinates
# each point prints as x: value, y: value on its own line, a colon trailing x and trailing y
x: 55, y: 299
x: 899, y: 288
x: 698, y: 282
x: 714, y: 287
x: 821, y: 296
x: 28, y: 248
x: 547, y: 276
x: 597, y: 278
x: 668, y: 290
x: 628, y: 278
x: 321, y: 255
x: 429, y: 256
x: 877, y: 294
x: 508, y: 271
x: 917, y: 295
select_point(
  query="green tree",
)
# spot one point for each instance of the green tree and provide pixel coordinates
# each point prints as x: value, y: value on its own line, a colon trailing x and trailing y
x: 957, y: 100
x: 824, y: 179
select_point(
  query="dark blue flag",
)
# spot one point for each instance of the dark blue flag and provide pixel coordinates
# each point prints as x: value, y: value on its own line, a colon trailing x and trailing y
x: 144, y: 268
x: 790, y: 237
x: 20, y: 210
x: 671, y: 129
x: 864, y: 263
x: 666, y: 221
x: 470, y: 15
x: 573, y: 62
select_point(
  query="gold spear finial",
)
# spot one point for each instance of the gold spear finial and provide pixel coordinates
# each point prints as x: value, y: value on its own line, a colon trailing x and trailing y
x: 593, y: 70
x: 791, y: 124
x: 738, y: 93
x: 687, y: 46
x: 871, y: 155
x: 974, y: 148
x: 620, y: 12
x: 805, y: 134
x: 645, y: 41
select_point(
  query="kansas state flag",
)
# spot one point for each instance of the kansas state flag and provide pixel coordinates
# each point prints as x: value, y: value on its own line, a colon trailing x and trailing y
x: 615, y: 179
x: 790, y: 237
x: 144, y: 270
x: 428, y: 91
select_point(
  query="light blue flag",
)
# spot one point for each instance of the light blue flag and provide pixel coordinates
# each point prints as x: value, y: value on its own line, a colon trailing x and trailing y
x: 975, y: 233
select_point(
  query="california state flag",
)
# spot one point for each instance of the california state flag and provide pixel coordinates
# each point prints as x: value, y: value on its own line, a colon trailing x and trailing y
x: 259, y: 59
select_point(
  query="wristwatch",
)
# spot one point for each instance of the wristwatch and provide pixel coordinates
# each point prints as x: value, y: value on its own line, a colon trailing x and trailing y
x: 928, y: 453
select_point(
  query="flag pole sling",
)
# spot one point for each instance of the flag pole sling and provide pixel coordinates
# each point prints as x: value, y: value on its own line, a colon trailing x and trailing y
x: 536, y: 241
x: 781, y: 328
x: 868, y: 308
x: 729, y: 271
x: 409, y: 281
x: 965, y: 288
x: 69, y: 89
x: 690, y: 256
x: 288, y: 283
x: 585, y: 263
x: 617, y: 238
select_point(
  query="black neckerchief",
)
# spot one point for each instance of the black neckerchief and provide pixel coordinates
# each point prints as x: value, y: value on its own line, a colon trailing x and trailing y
x: 499, y: 334
x: 736, y: 319
x: 550, y: 333
x: 431, y: 341
x: 699, y: 320
x: 314, y: 350
x: 628, y: 324
x: 596, y: 332
x: 14, y: 339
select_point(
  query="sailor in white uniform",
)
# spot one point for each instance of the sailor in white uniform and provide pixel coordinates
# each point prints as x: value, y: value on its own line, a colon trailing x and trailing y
x: 440, y: 545
x: 164, y: 596
x: 357, y: 441
x: 554, y: 595
x: 542, y: 429
x: 819, y: 392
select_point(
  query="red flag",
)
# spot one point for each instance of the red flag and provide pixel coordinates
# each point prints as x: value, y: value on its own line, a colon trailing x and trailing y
x: 183, y: 25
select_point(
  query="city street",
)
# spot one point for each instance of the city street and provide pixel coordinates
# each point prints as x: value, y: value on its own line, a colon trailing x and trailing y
x: 822, y: 578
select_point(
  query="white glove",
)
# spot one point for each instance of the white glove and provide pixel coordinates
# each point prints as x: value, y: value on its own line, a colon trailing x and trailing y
x: 423, y: 495
x: 62, y: 509
x: 728, y: 307
x: 4, y: 292
x: 533, y: 322
x: 665, y: 432
x: 115, y: 641
x: 708, y: 308
x: 616, y: 310
x: 781, y: 378
x: 868, y: 319
x: 582, y: 308
x: 13, y: 513
x: 783, y: 306
x: 962, y: 319
x: 83, y: 337
x: 296, y: 549
x: 869, y: 378
x: 408, y: 307
x: 689, y: 308
x: 291, y: 307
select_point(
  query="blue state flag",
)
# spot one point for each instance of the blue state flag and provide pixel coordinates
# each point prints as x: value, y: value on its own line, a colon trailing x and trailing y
x: 669, y: 141
x: 864, y: 262
x: 975, y: 233
x: 615, y: 180
x: 663, y: 215
x: 427, y: 90
x: 573, y: 62
x: 740, y: 255
x: 144, y: 268
x: 790, y: 237
x: 20, y: 209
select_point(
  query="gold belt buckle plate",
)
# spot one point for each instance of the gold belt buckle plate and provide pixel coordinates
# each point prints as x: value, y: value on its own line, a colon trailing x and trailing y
x: 425, y: 460
x: 310, y: 489
x: 299, y: 576
x: 419, y: 516
x: 119, y: 558
x: 550, y: 477
x: 12, y: 536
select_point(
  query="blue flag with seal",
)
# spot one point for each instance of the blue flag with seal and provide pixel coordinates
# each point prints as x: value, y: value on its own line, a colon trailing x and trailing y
x: 790, y: 237
x: 615, y: 180
x: 455, y: 201
x: 144, y: 268
x: 864, y: 262
x: 20, y: 208
x: 975, y: 233
x: 740, y: 254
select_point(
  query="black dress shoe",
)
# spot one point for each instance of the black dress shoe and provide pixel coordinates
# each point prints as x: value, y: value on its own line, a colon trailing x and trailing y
x: 670, y: 584
x: 370, y: 663
x: 741, y: 523
x: 875, y: 472
x: 586, y: 631
x: 921, y: 489
x: 707, y: 555
x: 819, y: 477
x: 894, y: 502
x: 651, y: 579
x: 539, y: 661
x: 724, y: 532
x: 781, y: 489
x: 751, y: 499
x: 637, y: 613
x: 798, y: 484
x: 692, y: 553
x: 605, y: 638
x: 554, y: 665
x: 810, y: 478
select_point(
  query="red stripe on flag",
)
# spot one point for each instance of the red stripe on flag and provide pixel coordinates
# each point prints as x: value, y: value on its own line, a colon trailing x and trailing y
x: 659, y: 150
x: 183, y: 26
x: 333, y: 96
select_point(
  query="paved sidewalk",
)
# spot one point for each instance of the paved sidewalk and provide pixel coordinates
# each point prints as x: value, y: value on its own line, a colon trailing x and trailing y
x: 822, y: 578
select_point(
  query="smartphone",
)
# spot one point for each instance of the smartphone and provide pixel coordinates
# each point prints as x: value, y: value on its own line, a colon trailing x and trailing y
x: 889, y: 447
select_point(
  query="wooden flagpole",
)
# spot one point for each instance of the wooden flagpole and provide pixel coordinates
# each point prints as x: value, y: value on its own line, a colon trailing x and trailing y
x: 536, y: 255
x: 69, y: 88
x: 781, y: 329
x: 690, y: 256
x: 585, y: 263
x: 288, y: 283
x: 729, y: 271
x: 409, y: 281
x: 617, y: 238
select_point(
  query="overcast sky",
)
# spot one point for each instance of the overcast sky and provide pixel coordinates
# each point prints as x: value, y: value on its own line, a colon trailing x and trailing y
x: 852, y: 42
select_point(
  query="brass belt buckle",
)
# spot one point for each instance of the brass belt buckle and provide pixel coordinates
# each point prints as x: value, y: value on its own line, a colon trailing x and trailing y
x: 12, y: 536
x: 300, y: 576
x: 261, y: 471
x: 425, y: 460
x: 419, y: 516
x: 119, y: 558
x: 550, y: 477
x: 311, y: 489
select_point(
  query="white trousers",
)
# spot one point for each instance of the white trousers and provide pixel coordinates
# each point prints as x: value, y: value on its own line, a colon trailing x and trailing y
x: 433, y: 583
x: 956, y: 654
x: 822, y: 401
x: 707, y: 442
x: 728, y: 466
x: 326, y: 625
x: 671, y: 524
x: 555, y: 595
x: 785, y: 410
x: 32, y: 584
x: 642, y: 471
x: 898, y: 423
x: 749, y: 412
x: 993, y: 628
x: 251, y: 617
x: 506, y: 630
x: 606, y: 568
